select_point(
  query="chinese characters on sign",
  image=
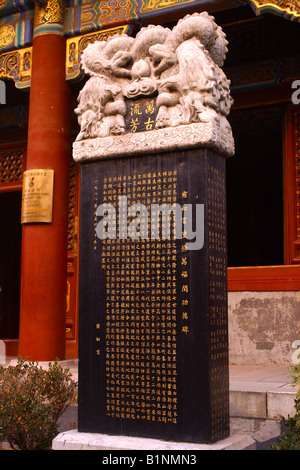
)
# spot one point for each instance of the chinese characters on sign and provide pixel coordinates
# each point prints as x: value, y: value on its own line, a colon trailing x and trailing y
x: 141, y: 302
x: 141, y: 115
x: 37, y: 196
x: 218, y: 339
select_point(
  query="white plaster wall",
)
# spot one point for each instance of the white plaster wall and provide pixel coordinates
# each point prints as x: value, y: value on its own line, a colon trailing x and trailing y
x: 263, y: 327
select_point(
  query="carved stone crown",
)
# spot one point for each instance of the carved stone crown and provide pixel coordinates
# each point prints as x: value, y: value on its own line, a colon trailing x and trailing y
x: 162, y: 90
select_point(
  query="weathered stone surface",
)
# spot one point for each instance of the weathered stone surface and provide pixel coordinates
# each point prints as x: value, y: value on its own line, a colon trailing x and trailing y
x: 261, y: 430
x: 250, y: 404
x: 263, y: 327
x: 281, y: 403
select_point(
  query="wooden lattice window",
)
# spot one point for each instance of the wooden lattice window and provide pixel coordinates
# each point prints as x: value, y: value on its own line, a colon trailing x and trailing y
x: 11, y: 166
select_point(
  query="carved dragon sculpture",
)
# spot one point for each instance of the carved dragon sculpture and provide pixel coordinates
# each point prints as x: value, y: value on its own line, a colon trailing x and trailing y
x: 181, y: 65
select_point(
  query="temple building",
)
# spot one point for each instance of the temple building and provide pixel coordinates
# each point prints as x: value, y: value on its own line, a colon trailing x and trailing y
x: 41, y: 43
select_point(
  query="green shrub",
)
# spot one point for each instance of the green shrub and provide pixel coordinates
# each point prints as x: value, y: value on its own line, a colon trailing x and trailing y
x: 31, y: 401
x: 290, y: 440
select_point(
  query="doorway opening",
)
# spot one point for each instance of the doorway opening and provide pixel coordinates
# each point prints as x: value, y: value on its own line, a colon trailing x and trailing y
x: 255, y: 188
x: 10, y: 264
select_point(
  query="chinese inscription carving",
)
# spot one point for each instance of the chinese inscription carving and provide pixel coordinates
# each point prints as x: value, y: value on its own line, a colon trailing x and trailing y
x: 155, y: 312
x: 141, y: 115
x: 140, y: 334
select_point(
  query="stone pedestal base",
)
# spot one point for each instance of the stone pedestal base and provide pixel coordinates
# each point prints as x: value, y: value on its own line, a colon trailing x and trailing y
x: 74, y: 440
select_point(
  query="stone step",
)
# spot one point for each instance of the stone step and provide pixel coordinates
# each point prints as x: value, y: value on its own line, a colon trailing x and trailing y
x: 260, y: 397
x: 261, y: 392
x: 268, y: 404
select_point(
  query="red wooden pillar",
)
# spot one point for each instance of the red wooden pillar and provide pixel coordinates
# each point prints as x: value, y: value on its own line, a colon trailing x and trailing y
x: 44, y: 246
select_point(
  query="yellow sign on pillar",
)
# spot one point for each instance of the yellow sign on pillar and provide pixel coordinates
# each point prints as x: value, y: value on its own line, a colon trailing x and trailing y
x: 37, y: 196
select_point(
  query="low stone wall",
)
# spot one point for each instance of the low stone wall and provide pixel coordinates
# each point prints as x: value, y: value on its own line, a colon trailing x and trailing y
x: 263, y: 327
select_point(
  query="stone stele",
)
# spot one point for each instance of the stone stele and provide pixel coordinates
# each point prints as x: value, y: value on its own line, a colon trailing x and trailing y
x: 179, y: 69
